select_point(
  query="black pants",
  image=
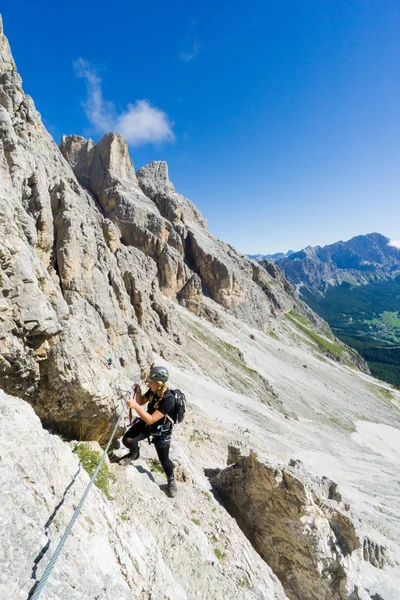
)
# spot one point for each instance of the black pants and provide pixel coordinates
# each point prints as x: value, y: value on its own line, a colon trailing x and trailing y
x: 139, y: 432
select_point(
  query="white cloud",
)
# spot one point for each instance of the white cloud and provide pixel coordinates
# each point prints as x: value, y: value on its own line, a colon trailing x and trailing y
x: 140, y: 123
x: 100, y: 113
x: 192, y: 54
x: 395, y: 244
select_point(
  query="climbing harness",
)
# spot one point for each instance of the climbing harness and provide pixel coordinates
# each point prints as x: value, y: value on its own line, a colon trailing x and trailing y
x: 52, y: 562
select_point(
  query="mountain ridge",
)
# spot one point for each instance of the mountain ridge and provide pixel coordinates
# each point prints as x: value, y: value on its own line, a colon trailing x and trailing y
x: 362, y: 259
x: 358, y: 256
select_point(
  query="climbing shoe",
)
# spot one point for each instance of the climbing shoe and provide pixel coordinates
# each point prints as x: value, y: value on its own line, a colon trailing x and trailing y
x: 171, y: 487
x: 128, y: 458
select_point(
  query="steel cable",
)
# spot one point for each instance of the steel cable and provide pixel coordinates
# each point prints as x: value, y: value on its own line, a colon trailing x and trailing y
x: 52, y: 562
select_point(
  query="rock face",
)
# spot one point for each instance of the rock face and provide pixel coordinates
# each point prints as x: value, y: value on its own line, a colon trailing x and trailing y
x: 299, y: 526
x: 190, y: 295
x: 65, y: 306
x: 102, y: 558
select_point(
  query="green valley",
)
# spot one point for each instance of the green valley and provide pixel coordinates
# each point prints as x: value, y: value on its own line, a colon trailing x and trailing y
x: 367, y: 318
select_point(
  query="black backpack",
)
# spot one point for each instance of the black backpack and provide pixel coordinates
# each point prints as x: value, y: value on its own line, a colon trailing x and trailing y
x: 180, y: 406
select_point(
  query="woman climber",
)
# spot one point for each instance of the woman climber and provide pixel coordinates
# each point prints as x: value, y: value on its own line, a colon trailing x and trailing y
x: 155, y: 422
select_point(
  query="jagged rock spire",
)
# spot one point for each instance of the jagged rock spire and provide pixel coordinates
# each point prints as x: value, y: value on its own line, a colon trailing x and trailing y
x: 6, y: 60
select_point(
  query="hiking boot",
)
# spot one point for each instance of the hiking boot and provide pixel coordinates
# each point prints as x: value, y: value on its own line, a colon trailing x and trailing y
x: 171, y: 487
x: 113, y: 458
x: 125, y: 460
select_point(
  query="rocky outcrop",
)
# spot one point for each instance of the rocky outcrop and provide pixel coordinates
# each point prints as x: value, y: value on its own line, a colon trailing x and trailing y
x: 106, y: 170
x: 273, y: 283
x: 375, y: 553
x: 103, y: 556
x: 139, y: 546
x: 155, y: 183
x: 298, y: 525
x: 191, y: 294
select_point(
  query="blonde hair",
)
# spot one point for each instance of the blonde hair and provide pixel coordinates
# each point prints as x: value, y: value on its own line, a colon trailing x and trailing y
x: 162, y: 388
x: 158, y: 395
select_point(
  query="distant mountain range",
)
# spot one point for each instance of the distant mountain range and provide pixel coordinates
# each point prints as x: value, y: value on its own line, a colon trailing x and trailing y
x: 355, y: 286
x: 271, y: 257
x: 363, y: 259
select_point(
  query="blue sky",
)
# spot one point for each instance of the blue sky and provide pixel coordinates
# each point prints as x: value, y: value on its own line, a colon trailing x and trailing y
x: 279, y: 120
